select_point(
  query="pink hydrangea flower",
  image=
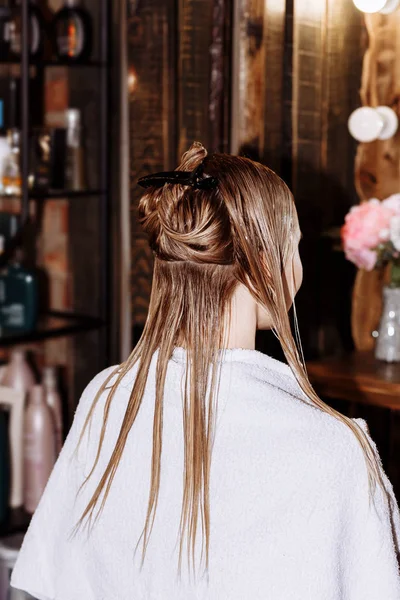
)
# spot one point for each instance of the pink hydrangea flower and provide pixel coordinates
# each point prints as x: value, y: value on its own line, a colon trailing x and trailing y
x: 366, y: 226
x: 393, y: 203
x: 363, y: 259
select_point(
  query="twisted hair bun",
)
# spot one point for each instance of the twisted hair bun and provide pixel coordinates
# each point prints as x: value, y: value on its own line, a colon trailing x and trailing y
x: 188, y: 224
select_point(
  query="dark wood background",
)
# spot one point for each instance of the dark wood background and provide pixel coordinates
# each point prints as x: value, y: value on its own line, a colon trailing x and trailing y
x: 275, y: 81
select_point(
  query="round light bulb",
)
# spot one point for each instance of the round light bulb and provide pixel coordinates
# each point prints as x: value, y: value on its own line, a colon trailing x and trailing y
x: 369, y: 6
x: 365, y: 124
x: 373, y: 6
x: 390, y: 6
x: 391, y: 122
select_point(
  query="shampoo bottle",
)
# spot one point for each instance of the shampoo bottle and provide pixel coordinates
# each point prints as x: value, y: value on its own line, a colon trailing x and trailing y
x: 4, y: 145
x: 18, y: 297
x: 39, y: 448
x: 19, y: 376
x: 53, y: 400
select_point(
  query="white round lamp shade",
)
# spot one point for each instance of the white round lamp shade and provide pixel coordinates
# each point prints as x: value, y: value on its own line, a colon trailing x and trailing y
x: 390, y: 6
x: 367, y: 124
x: 390, y: 122
x: 373, y: 6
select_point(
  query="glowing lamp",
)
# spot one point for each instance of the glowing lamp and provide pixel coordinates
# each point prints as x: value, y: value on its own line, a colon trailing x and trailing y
x: 384, y: 7
x: 367, y: 124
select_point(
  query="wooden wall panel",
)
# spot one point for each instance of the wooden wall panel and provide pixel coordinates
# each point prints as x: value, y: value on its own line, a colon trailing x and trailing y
x: 377, y: 165
x: 327, y: 57
x: 220, y: 76
x: 194, y: 68
x: 257, y: 115
x: 203, y: 72
x: 151, y: 35
x: 273, y: 114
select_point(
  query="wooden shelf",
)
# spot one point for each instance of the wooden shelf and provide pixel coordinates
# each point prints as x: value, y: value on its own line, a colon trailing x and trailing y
x: 52, y: 194
x: 52, y: 325
x: 96, y: 64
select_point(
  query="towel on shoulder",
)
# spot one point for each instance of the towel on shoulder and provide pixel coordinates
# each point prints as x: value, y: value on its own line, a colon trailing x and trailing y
x: 290, y: 511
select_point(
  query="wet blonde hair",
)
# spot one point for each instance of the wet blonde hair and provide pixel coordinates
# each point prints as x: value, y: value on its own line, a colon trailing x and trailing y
x: 205, y: 243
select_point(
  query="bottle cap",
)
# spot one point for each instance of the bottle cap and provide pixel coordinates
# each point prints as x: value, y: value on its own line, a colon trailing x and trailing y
x: 73, y: 116
x: 17, y: 354
x: 49, y: 376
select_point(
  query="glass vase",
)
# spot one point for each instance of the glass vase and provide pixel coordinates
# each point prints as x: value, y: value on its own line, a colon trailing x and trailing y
x: 388, y: 342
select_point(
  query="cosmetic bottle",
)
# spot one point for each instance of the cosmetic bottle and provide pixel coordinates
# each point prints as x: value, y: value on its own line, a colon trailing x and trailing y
x: 11, y: 173
x: 39, y: 448
x: 53, y: 400
x: 4, y: 145
x: 17, y: 381
x: 18, y: 297
x: 48, y: 155
x: 37, y: 27
x: 5, y: 15
x: 72, y: 32
x: 18, y: 374
x: 74, y: 171
x: 9, y: 223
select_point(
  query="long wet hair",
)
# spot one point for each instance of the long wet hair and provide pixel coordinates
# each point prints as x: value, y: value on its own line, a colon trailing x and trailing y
x: 205, y: 242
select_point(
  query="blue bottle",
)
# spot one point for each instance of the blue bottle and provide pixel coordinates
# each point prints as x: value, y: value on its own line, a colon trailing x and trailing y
x: 18, y: 298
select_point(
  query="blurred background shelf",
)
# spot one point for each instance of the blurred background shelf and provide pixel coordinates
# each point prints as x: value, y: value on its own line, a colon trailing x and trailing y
x: 54, y: 194
x: 97, y: 64
x: 38, y: 195
x: 51, y: 325
x: 17, y: 521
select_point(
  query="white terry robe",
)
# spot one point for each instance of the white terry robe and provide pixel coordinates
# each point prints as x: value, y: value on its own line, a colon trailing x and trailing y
x: 289, y: 510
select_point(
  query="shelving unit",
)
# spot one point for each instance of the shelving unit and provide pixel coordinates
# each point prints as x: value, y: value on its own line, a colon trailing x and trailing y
x: 59, y: 63
x: 52, y: 325
x: 81, y: 323
x: 38, y: 195
x: 56, y: 324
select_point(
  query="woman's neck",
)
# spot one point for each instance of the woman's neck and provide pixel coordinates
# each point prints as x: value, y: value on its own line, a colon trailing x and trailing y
x: 243, y: 325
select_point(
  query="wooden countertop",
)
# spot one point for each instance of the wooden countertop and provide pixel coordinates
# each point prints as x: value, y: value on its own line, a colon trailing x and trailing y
x: 357, y: 377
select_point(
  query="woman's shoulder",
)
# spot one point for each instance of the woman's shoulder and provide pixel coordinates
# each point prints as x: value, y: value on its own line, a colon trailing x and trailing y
x: 106, y: 377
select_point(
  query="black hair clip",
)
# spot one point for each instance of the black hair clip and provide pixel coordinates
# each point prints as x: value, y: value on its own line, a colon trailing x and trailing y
x: 195, y: 179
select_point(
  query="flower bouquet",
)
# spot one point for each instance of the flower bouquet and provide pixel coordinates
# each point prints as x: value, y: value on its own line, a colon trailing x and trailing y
x: 371, y: 239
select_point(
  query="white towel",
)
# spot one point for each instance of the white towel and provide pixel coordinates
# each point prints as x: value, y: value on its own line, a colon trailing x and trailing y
x: 290, y: 517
